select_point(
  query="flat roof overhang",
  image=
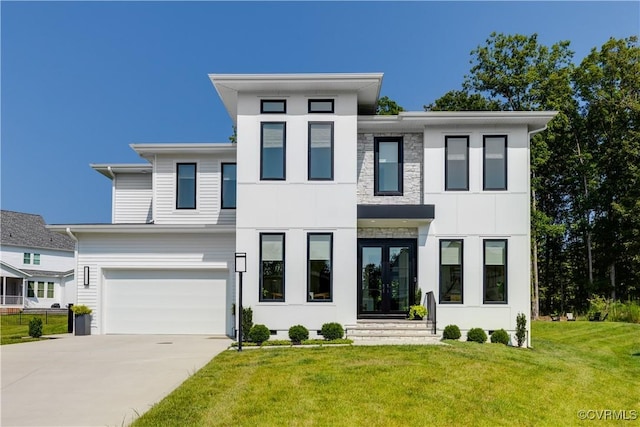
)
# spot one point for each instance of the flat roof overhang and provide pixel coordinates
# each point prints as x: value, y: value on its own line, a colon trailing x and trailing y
x: 395, y: 215
x: 141, y: 228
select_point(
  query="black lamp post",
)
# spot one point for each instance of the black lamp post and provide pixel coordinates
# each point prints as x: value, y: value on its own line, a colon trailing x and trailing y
x: 241, y: 267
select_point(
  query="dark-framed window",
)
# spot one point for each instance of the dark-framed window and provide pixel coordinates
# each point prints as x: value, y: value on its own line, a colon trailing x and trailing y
x: 456, y: 163
x: 31, y: 293
x: 451, y: 263
x: 229, y: 184
x: 495, y: 162
x: 388, y: 166
x: 271, y: 266
x: 495, y: 271
x: 273, y: 106
x: 273, y: 145
x: 186, y: 186
x: 319, y: 267
x: 320, y: 157
x: 321, y: 105
x: 26, y: 258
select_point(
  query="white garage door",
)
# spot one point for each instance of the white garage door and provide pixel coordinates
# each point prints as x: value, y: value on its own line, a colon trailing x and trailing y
x: 165, y: 302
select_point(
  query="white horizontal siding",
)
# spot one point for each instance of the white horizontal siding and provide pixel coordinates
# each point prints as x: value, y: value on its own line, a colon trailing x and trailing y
x: 132, y: 198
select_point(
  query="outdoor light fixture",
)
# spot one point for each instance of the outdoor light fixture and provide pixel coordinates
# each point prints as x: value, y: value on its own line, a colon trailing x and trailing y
x: 86, y: 275
x: 241, y: 267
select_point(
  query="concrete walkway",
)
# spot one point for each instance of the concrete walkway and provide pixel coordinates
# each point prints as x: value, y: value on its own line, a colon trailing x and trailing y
x: 98, y: 380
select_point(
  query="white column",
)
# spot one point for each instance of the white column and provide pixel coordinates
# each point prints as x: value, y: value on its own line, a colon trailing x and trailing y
x: 4, y: 290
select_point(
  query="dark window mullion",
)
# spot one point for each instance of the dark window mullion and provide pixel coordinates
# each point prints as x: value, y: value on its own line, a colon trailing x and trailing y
x: 398, y: 191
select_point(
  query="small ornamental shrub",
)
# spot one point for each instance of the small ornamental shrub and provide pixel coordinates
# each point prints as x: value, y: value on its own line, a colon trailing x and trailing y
x: 259, y: 334
x: 476, y: 335
x: 35, y: 327
x: 298, y: 333
x: 247, y: 322
x: 500, y: 336
x: 521, y: 328
x: 80, y: 310
x: 451, y: 332
x: 417, y: 312
x: 332, y: 331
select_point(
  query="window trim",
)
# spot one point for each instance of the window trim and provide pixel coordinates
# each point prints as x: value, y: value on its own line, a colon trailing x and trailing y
x: 31, y: 289
x: 284, y: 106
x: 50, y: 286
x: 311, y: 111
x: 330, y: 299
x: 41, y: 289
x: 26, y: 258
x: 484, y: 272
x: 36, y: 259
x: 440, y: 300
x: 376, y: 148
x: 284, y: 151
x: 260, y: 270
x: 195, y: 185
x: 222, y: 205
x: 446, y: 162
x: 309, y: 178
x: 484, y: 163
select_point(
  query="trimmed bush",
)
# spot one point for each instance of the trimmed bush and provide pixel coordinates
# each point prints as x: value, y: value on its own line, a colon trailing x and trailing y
x: 477, y: 335
x: 521, y: 328
x: 500, y: 336
x: 332, y: 331
x: 259, y: 334
x: 247, y: 322
x: 35, y: 327
x: 298, y: 333
x: 451, y: 332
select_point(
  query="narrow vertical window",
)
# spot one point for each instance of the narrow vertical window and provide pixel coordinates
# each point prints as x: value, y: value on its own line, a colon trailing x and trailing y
x: 320, y: 165
x: 451, y: 271
x: 321, y: 105
x: 26, y: 258
x: 228, y: 186
x: 275, y: 106
x: 495, y: 271
x: 273, y: 151
x: 457, y: 163
x: 186, y: 186
x: 388, y: 169
x: 495, y: 162
x: 271, y: 267
x: 36, y: 259
x: 319, y: 266
x: 31, y: 289
x: 50, y: 290
x: 40, y: 289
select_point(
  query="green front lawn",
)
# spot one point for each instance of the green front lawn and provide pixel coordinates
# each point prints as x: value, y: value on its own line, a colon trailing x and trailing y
x: 574, y: 366
x: 14, y: 328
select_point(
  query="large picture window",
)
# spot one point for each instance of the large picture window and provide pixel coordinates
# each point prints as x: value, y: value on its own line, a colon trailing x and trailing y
x: 229, y: 186
x: 186, y: 186
x: 457, y: 163
x: 319, y: 266
x: 451, y: 271
x: 271, y: 267
x: 495, y: 271
x: 495, y: 162
x: 320, y: 151
x: 388, y: 166
x: 273, y: 151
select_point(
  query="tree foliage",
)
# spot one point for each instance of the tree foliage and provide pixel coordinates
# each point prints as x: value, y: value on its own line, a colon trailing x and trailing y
x: 388, y: 107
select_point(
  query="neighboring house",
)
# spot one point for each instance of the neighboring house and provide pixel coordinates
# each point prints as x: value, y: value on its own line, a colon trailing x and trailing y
x: 37, y: 265
x: 342, y: 214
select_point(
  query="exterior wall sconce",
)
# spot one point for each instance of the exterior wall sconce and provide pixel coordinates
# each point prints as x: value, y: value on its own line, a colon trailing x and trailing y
x: 86, y: 275
x: 241, y: 267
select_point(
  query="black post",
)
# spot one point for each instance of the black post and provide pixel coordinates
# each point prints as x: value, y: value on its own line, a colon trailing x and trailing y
x: 70, y: 319
x: 240, y: 315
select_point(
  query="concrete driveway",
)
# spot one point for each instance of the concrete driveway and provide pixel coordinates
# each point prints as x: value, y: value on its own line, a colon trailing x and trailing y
x: 97, y: 380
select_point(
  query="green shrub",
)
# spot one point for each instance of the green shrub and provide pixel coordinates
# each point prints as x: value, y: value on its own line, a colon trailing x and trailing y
x: 418, y: 296
x: 298, y: 333
x: 259, y: 334
x: 332, y: 331
x: 417, y: 312
x: 79, y: 310
x: 624, y: 312
x: 451, y: 332
x: 500, y: 336
x: 521, y: 328
x: 476, y: 335
x: 598, y: 304
x: 35, y: 327
x: 247, y: 322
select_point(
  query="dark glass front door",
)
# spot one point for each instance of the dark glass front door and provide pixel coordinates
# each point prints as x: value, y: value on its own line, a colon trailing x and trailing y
x: 386, y: 277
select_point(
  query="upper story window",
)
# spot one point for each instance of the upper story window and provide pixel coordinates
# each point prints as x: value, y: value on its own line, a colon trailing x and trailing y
x: 321, y: 105
x: 457, y: 163
x: 186, y: 186
x: 271, y: 266
x: 495, y: 162
x: 495, y: 271
x: 451, y: 271
x: 228, y: 186
x: 320, y: 160
x: 36, y: 259
x: 273, y: 106
x: 388, y: 168
x: 273, y: 150
x: 26, y: 258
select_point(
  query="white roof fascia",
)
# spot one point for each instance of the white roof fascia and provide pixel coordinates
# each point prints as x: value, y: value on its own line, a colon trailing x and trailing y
x: 147, y: 150
x: 141, y: 228
x: 17, y: 270
x: 108, y: 169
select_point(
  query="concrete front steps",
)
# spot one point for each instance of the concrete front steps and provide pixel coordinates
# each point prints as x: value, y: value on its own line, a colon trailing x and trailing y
x: 391, y: 331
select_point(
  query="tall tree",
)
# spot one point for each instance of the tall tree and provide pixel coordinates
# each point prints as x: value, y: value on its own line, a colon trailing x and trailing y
x: 388, y: 107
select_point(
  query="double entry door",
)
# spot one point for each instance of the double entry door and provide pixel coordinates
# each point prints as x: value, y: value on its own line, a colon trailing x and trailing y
x: 386, y: 277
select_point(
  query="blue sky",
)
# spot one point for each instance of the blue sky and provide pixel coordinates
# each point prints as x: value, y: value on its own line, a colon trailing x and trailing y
x: 80, y: 81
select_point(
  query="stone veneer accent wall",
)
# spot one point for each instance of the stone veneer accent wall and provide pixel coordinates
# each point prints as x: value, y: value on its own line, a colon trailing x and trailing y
x: 387, y: 233
x: 413, y: 150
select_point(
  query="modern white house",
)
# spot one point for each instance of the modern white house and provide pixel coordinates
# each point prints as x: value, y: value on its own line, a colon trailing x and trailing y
x: 343, y: 216
x: 36, y: 264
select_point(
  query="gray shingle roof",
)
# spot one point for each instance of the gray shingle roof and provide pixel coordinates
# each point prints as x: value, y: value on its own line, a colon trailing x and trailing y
x: 23, y: 229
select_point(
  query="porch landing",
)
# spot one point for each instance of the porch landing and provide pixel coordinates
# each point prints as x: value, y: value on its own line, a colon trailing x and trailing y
x: 392, y: 331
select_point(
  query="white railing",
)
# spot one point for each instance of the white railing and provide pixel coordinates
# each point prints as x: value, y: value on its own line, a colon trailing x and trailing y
x: 12, y: 300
